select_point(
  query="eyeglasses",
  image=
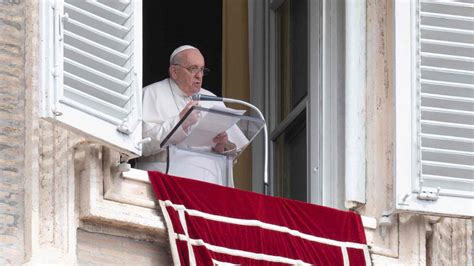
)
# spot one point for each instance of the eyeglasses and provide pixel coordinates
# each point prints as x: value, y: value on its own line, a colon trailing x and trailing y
x: 194, y: 69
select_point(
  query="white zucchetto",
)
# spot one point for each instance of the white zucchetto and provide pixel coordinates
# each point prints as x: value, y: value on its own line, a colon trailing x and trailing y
x: 180, y: 49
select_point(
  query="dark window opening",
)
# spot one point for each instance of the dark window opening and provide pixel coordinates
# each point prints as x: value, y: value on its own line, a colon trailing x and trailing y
x: 169, y: 24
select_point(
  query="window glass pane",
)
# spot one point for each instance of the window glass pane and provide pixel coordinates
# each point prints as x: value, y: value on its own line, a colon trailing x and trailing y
x: 293, y: 54
x: 291, y: 150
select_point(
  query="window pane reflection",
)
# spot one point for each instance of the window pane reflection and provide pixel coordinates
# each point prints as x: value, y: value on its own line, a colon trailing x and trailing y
x: 291, y: 176
x: 293, y: 54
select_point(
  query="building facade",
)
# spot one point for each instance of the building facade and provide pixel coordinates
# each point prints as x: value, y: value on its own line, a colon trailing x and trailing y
x: 66, y: 197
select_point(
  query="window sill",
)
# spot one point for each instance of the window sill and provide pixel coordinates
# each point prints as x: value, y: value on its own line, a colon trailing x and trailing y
x: 132, y: 187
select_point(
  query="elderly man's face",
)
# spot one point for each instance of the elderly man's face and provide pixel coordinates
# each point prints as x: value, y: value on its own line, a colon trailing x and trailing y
x: 187, y: 73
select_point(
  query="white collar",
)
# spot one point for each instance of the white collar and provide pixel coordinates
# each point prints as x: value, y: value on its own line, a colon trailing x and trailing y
x: 176, y: 90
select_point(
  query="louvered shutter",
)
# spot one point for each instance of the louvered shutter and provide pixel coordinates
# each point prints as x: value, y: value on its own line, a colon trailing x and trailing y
x: 93, y: 81
x: 439, y: 151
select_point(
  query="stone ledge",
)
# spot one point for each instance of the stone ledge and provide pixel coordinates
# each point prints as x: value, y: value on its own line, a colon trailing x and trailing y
x: 140, y: 215
x: 131, y: 187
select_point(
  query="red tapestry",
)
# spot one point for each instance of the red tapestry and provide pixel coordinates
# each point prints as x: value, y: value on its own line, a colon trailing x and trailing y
x: 215, y: 225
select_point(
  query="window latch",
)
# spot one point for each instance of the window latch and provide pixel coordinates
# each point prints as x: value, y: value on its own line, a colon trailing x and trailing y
x: 425, y: 194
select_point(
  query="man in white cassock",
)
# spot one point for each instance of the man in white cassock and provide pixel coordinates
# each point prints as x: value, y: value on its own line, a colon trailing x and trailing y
x: 164, y: 104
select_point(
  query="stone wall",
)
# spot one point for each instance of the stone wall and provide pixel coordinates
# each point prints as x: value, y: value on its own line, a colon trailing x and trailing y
x: 12, y: 131
x: 105, y: 249
x: 39, y: 184
x: 449, y: 242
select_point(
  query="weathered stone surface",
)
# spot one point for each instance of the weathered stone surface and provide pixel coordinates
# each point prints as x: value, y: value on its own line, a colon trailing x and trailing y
x: 10, y: 104
x: 10, y: 2
x: 101, y: 249
x: 11, y: 128
x: 448, y: 243
x: 9, y: 49
x: 11, y: 132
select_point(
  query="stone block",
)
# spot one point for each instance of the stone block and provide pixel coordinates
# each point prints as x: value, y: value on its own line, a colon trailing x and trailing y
x: 6, y: 219
x: 11, y: 128
x: 100, y: 249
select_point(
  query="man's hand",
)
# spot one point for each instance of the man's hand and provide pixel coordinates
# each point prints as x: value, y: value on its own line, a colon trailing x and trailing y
x: 192, y: 118
x: 222, y: 143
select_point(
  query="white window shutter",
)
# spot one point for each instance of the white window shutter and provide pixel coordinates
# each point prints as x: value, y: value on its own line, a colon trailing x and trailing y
x: 92, y: 60
x: 434, y: 88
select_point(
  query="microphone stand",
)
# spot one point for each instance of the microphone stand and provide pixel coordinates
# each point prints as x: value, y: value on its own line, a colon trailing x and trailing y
x: 266, y: 186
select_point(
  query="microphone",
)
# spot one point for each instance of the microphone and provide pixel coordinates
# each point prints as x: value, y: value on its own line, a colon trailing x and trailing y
x: 202, y: 97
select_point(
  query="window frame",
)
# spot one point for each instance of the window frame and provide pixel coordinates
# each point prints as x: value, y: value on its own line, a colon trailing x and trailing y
x: 276, y: 127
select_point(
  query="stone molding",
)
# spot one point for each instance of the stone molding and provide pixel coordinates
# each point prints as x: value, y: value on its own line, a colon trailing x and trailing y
x: 97, y: 163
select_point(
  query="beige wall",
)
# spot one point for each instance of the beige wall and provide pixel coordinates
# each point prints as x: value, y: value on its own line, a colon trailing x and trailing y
x: 105, y: 249
x: 235, y: 74
x: 12, y: 131
x: 380, y: 107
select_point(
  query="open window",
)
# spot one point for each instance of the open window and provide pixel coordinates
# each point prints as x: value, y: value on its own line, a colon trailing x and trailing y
x: 290, y: 100
x: 300, y: 65
x: 434, y: 94
x: 91, y: 69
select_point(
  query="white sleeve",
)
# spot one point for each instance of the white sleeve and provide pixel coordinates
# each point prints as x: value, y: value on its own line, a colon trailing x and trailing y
x: 158, y: 123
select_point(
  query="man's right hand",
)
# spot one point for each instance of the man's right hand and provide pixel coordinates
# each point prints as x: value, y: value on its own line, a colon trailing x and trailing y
x: 192, y: 118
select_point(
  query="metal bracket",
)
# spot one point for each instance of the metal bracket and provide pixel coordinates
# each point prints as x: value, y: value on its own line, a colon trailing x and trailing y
x: 123, y: 128
x: 56, y: 111
x: 425, y: 194
x: 404, y: 199
x: 62, y: 19
x: 384, y: 222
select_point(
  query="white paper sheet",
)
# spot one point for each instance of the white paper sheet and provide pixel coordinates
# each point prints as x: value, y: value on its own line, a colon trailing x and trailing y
x: 209, y: 125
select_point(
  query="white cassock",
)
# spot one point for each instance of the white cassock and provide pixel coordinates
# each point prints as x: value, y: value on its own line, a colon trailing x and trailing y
x: 162, y: 103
